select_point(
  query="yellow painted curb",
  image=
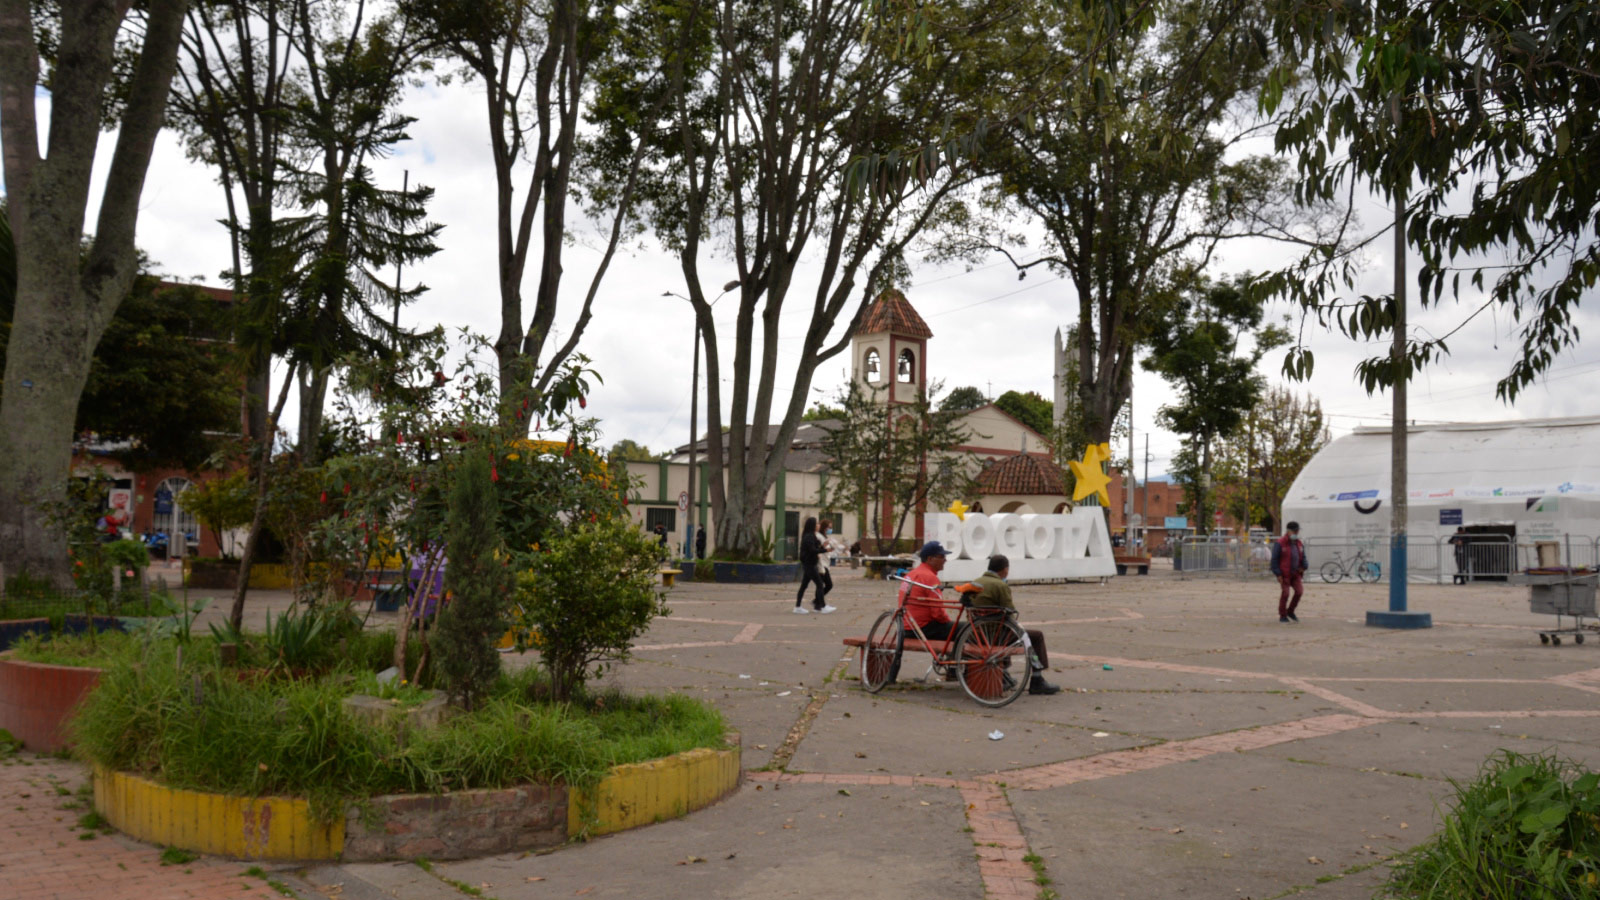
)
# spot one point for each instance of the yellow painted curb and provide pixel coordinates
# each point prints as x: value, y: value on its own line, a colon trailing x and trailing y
x: 223, y: 824
x: 641, y: 793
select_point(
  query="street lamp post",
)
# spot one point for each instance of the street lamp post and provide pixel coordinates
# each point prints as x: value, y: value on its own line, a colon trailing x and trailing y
x: 693, y: 513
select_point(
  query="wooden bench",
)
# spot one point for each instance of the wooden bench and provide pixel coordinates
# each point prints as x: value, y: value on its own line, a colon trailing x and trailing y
x: 669, y: 576
x: 1140, y: 563
x: 879, y: 566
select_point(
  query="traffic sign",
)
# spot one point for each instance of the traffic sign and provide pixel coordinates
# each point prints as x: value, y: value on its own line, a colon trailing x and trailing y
x: 683, y: 501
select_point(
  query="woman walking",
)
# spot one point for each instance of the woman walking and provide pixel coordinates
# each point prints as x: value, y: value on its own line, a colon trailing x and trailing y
x: 812, y: 569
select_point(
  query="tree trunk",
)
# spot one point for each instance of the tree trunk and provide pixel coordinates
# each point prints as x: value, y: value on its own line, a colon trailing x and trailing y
x: 313, y: 396
x: 44, y: 377
x: 64, y: 297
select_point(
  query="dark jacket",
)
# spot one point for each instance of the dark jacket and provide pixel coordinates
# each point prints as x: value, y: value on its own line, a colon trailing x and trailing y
x: 810, y: 549
x: 1288, y: 556
x: 995, y: 592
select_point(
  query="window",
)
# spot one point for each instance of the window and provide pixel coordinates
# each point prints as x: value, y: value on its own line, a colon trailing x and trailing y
x: 661, y: 515
x: 173, y: 520
x: 869, y: 365
x: 906, y: 367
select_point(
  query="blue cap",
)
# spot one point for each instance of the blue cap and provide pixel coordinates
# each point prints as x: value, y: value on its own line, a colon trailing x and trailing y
x: 931, y: 548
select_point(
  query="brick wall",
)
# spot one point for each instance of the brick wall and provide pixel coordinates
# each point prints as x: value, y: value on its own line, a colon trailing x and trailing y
x: 453, y: 826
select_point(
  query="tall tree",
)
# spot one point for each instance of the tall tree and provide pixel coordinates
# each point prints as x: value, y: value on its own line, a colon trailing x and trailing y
x: 1482, y: 120
x: 894, y: 462
x: 231, y: 104
x: 534, y: 61
x: 1135, y: 163
x: 768, y: 102
x: 354, y: 70
x: 1256, y: 466
x: 66, y: 293
x: 1198, y: 351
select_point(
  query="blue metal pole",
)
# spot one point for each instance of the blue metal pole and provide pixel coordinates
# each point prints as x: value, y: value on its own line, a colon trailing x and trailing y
x: 1397, y: 573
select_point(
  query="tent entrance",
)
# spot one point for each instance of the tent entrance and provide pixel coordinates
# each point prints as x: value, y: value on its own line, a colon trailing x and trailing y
x: 1487, y: 554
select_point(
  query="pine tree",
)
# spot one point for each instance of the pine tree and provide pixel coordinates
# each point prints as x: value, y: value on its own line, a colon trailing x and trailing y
x: 478, y: 583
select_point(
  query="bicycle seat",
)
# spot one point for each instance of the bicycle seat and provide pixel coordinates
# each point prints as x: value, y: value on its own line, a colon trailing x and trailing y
x: 965, y: 592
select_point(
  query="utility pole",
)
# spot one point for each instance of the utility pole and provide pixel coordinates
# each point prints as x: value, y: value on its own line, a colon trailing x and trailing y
x: 1397, y: 615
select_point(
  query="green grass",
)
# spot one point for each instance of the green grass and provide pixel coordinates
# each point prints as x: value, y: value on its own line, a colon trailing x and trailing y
x: 172, y: 856
x: 1527, y: 827
x: 92, y: 651
x: 202, y: 727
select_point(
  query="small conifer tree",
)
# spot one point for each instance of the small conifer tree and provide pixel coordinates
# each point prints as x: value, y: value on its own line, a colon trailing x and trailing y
x: 479, y: 584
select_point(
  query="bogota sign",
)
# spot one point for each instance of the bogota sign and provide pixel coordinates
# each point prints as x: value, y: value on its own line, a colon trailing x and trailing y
x: 1041, y: 547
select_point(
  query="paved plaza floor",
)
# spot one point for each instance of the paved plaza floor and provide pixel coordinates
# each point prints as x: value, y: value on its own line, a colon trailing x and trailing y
x: 1199, y: 749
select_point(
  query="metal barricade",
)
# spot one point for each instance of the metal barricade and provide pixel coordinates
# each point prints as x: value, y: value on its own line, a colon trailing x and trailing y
x: 1199, y: 556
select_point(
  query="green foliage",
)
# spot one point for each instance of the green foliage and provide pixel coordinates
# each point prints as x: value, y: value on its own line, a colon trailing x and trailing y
x: 177, y: 626
x: 221, y: 504
x: 197, y: 726
x: 1527, y: 827
x: 297, y: 641
x: 128, y: 554
x: 1029, y: 408
x: 963, y: 399
x: 1278, y: 436
x: 476, y: 616
x: 627, y: 450
x: 1198, y: 352
x: 588, y: 594
x: 894, y: 467
x: 77, y: 649
x: 160, y: 378
x: 1484, y: 119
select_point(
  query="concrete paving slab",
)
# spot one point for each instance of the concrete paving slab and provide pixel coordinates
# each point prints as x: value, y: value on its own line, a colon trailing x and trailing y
x: 1421, y: 750
x: 1231, y: 825
x: 1435, y: 696
x: 869, y: 734
x: 793, y: 841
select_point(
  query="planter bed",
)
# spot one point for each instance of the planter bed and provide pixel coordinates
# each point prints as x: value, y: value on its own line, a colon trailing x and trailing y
x: 412, y: 826
x: 756, y: 573
x: 36, y: 700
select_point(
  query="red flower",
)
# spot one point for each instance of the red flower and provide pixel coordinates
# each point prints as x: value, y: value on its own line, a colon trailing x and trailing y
x: 324, y: 496
x: 399, y: 437
x: 494, y: 473
x: 583, y: 402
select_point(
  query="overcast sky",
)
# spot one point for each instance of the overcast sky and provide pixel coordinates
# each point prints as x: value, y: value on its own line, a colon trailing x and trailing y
x: 990, y: 330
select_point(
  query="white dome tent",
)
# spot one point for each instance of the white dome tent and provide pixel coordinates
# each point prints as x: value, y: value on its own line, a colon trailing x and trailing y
x: 1517, y: 489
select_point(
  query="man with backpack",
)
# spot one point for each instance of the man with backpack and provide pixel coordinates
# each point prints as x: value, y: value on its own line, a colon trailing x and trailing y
x: 1289, y: 564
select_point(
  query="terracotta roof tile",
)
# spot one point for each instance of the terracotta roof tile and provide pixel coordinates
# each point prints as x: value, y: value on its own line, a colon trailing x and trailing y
x: 892, y: 313
x: 1022, y: 474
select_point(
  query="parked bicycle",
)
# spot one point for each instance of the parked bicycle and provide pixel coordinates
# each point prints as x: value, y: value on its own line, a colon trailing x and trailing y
x: 1363, y: 566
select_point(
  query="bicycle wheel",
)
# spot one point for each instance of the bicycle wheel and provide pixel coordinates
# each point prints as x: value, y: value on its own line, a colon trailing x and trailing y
x: 1369, y: 572
x: 1332, y: 572
x: 992, y: 661
x: 880, y: 655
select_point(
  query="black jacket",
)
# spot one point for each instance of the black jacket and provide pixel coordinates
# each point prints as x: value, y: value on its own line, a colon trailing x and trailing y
x: 810, y: 549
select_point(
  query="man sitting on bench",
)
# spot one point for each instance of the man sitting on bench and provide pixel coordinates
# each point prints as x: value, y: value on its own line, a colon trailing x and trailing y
x: 996, y: 593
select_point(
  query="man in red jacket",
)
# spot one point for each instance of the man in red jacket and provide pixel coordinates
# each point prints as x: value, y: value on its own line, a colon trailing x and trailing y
x: 1289, y: 563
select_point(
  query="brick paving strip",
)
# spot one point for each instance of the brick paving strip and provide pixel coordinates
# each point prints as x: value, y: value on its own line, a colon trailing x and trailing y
x: 43, y: 858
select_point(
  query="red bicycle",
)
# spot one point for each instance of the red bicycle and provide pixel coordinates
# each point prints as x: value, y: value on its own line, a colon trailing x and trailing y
x: 987, y: 650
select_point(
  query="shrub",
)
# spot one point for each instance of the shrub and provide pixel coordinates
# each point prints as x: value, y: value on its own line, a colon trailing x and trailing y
x: 128, y: 554
x: 222, y: 503
x: 469, y: 626
x: 588, y: 595
x: 1527, y: 827
x: 193, y: 725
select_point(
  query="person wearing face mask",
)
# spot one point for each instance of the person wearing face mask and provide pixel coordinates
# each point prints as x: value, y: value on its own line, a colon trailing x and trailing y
x: 996, y: 594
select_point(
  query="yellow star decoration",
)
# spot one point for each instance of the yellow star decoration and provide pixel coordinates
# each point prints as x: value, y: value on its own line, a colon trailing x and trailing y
x: 1089, y: 478
x: 960, y: 509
